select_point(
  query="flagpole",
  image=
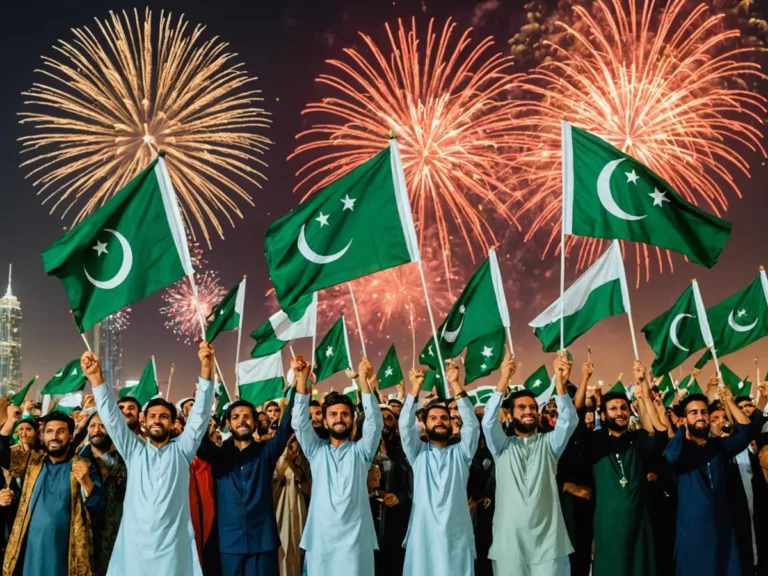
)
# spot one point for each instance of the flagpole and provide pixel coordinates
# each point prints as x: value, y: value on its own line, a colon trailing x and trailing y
x: 632, y: 333
x: 170, y: 378
x: 82, y: 334
x: 357, y: 317
x: 501, y: 296
x: 413, y: 339
x: 434, y: 329
x: 757, y: 382
x: 239, y: 335
x: 562, y: 243
x: 314, y: 338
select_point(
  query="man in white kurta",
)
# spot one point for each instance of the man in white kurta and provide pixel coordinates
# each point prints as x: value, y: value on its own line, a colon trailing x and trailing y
x: 529, y: 534
x: 156, y: 534
x: 339, y: 536
x: 440, y: 539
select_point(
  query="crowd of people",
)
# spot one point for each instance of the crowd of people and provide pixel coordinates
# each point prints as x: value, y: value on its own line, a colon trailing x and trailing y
x: 591, y: 482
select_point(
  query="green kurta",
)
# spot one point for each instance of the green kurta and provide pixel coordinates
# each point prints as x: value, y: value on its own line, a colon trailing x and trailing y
x: 623, y: 535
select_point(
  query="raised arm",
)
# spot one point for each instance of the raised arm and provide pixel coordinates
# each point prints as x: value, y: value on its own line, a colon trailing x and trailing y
x: 470, y: 429
x: 374, y: 422
x: 300, y: 418
x: 409, y: 433
x: 495, y: 438
x: 641, y: 377
x: 125, y: 441
x: 276, y: 445
x: 675, y: 447
x: 197, y: 422
x: 587, y: 369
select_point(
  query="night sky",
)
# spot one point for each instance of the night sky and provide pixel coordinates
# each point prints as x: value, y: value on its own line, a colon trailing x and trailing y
x: 285, y: 43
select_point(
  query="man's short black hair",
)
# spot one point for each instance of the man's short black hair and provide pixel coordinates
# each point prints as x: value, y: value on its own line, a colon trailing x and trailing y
x: 334, y: 398
x: 715, y: 407
x: 693, y: 398
x: 315, y: 403
x: 59, y: 416
x: 161, y: 402
x: 612, y: 396
x: 238, y: 404
x: 524, y: 393
x: 125, y: 399
x: 436, y: 404
x: 270, y: 404
x: 395, y: 401
x: 742, y: 399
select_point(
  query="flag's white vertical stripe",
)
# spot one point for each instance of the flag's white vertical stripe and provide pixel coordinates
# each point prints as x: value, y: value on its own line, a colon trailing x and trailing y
x: 240, y: 299
x: 706, y: 333
x: 764, y: 282
x: 346, y: 341
x: 619, y: 264
x: 239, y: 308
x: 567, y: 162
x: 403, y: 202
x: 544, y: 397
x: 173, y: 214
x: 498, y: 287
x: 154, y: 372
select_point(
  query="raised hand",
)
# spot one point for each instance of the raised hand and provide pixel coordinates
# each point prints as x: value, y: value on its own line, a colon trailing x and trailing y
x: 80, y: 472
x: 91, y: 367
x: 639, y: 371
x: 416, y: 378
x: 205, y: 354
x: 508, y: 368
x: 587, y: 369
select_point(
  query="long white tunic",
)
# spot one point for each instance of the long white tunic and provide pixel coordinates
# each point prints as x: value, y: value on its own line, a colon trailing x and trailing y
x: 440, y: 539
x: 339, y: 536
x: 156, y: 534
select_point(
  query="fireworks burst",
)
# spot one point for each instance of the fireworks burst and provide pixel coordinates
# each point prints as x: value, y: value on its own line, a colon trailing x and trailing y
x: 654, y: 84
x: 120, y: 319
x: 118, y: 95
x: 180, y: 307
x: 445, y: 104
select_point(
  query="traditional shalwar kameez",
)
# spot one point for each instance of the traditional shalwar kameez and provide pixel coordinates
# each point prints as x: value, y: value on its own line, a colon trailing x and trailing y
x: 156, y: 534
x: 440, y: 539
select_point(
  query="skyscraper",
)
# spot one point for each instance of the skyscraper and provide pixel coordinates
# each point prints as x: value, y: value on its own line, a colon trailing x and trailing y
x: 108, y: 341
x: 10, y: 341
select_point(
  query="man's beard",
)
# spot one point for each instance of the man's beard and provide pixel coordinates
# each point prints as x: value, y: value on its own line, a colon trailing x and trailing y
x: 57, y: 452
x: 133, y: 425
x: 439, y: 435
x: 340, y: 435
x: 242, y: 436
x: 611, y: 424
x: 520, y: 426
x: 101, y: 441
x: 699, y: 432
x: 159, y: 436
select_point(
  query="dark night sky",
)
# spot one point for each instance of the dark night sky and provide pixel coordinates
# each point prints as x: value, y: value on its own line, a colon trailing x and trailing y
x: 284, y: 43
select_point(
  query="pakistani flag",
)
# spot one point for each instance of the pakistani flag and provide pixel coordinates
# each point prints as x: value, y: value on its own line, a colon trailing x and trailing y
x: 129, y: 248
x: 689, y: 383
x: 68, y: 379
x: 481, y: 308
x: 667, y: 389
x: 480, y: 395
x: 227, y: 314
x: 431, y: 378
x: 389, y: 373
x: 484, y: 355
x: 740, y: 320
x: 618, y: 388
x: 261, y: 379
x: 70, y: 402
x: 18, y: 398
x: 297, y: 321
x: 599, y: 293
x: 351, y: 392
x: 332, y: 355
x: 358, y: 225
x: 608, y: 194
x: 224, y: 400
x: 679, y: 332
x: 541, y: 385
x: 147, y: 387
x: 739, y: 386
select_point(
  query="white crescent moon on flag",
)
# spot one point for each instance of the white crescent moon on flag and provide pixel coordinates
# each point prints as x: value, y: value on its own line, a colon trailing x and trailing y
x: 125, y: 267
x: 313, y: 256
x: 604, y: 192
x: 453, y: 334
x: 738, y: 327
x: 673, y: 331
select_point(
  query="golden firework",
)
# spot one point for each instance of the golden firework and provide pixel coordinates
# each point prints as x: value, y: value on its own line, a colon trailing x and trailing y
x: 120, y: 93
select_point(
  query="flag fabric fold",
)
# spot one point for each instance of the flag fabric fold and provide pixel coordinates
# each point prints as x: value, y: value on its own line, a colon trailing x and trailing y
x: 332, y: 355
x: 226, y: 315
x: 261, y: 379
x: 147, y: 388
x: 484, y: 355
x: 18, y: 398
x: 67, y: 380
x: 389, y: 374
x: 297, y: 321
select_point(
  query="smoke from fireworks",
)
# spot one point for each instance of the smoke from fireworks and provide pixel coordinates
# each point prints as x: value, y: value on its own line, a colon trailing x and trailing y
x: 444, y: 100
x: 181, y: 309
x: 657, y: 85
x: 118, y: 95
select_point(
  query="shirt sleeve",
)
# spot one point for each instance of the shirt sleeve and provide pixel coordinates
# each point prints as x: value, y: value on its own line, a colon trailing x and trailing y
x: 302, y: 425
x: 125, y: 441
x: 372, y: 427
x: 276, y: 445
x: 197, y: 423
x: 409, y: 434
x: 738, y: 442
x: 470, y: 429
x: 495, y: 438
x: 567, y: 420
x: 96, y: 500
x: 674, y: 448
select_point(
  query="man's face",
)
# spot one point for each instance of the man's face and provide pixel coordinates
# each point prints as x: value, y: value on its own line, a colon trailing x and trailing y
x: 525, y: 414
x: 697, y: 419
x: 316, y: 413
x: 187, y: 407
x: 616, y: 415
x: 338, y: 421
x: 748, y: 407
x: 26, y: 433
x: 395, y: 407
x: 717, y: 420
x: 438, y: 425
x: 159, y: 423
x: 178, y: 427
x: 130, y: 413
x: 274, y: 413
x: 264, y: 423
x: 56, y: 438
x: 548, y: 416
x: 241, y: 423
x: 456, y: 421
x: 97, y: 434
x: 390, y: 423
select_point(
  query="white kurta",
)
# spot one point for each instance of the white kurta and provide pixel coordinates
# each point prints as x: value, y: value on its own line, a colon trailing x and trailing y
x: 339, y: 536
x: 440, y: 538
x: 156, y: 534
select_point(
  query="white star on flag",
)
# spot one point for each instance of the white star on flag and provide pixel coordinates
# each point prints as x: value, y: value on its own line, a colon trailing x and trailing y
x: 741, y: 313
x: 631, y: 177
x: 483, y: 367
x: 487, y: 352
x: 431, y: 353
x: 74, y: 372
x: 537, y: 383
x: 323, y: 219
x: 659, y: 197
x: 349, y: 203
x: 388, y: 371
x: 101, y: 248
x: 329, y: 351
x: 741, y: 385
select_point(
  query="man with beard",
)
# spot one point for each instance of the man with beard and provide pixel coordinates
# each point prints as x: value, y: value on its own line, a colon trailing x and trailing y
x: 130, y: 408
x: 52, y: 532
x: 456, y: 420
x: 156, y: 534
x: 529, y: 534
x: 105, y: 524
x: 316, y: 414
x: 263, y: 426
x: 339, y: 534
x: 243, y: 470
x: 705, y: 540
x: 440, y: 539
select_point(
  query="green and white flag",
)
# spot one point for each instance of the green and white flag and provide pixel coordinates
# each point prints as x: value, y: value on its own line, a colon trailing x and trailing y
x: 147, y: 387
x: 351, y: 392
x: 609, y: 194
x: 480, y: 395
x: 432, y: 378
x: 297, y: 321
x: 69, y: 379
x: 18, y: 398
x: 261, y: 379
x: 739, y: 320
x: 679, y: 332
x: 390, y: 374
x: 227, y: 314
x: 667, y: 389
x: 541, y: 385
x: 131, y: 247
x: 619, y: 388
x: 599, y: 293
x: 481, y: 308
x: 689, y: 383
x: 739, y: 386
x: 484, y: 355
x: 358, y: 225
x: 332, y: 355
x: 224, y: 400
x: 69, y: 402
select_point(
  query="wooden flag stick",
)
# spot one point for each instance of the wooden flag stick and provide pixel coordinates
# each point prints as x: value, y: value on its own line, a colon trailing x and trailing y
x: 357, y: 318
x: 82, y: 334
x: 293, y: 354
x: 170, y: 378
x: 589, y: 353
